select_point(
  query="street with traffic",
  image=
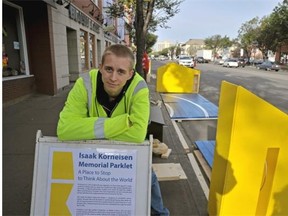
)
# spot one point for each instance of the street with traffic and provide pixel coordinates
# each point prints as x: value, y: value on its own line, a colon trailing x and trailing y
x: 184, y: 197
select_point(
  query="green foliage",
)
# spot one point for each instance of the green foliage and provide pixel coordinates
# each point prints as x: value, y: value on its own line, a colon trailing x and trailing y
x: 267, y: 33
x: 274, y: 28
x: 247, y: 34
x: 217, y: 42
x: 115, y: 10
x: 151, y: 40
x: 163, y: 11
x: 147, y: 16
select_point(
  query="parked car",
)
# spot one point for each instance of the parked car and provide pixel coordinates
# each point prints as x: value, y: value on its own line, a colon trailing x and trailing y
x: 219, y: 61
x: 230, y: 63
x: 241, y: 62
x: 268, y: 65
x: 200, y: 60
x: 162, y: 58
x: 256, y: 62
x: 186, y: 61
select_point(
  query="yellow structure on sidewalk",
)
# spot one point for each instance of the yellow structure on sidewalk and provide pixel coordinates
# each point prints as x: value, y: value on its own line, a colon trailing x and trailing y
x: 175, y: 78
x: 250, y: 168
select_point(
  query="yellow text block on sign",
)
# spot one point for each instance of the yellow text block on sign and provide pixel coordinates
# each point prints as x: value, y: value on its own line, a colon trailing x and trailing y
x: 59, y: 196
x: 62, y: 166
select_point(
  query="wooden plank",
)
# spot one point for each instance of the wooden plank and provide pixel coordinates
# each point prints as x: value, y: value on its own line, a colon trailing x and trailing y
x: 203, y: 163
x: 199, y: 174
x: 167, y: 154
x: 169, y: 171
x: 182, y: 139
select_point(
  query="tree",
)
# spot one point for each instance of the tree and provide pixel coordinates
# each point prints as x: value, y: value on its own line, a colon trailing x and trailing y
x: 216, y: 42
x: 274, y: 28
x: 266, y: 39
x: 151, y: 40
x: 148, y: 15
x: 247, y: 35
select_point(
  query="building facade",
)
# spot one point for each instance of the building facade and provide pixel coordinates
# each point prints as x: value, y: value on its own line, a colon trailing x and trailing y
x: 47, y: 44
x: 282, y: 54
x: 191, y: 46
x: 159, y: 46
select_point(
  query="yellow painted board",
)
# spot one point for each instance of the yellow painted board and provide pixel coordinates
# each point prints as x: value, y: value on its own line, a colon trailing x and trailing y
x: 175, y: 78
x: 250, y: 168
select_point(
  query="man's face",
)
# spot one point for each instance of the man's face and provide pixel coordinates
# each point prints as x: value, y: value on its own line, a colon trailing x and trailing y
x: 115, y: 73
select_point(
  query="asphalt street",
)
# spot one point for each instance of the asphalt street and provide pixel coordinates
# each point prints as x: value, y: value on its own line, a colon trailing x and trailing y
x: 22, y: 120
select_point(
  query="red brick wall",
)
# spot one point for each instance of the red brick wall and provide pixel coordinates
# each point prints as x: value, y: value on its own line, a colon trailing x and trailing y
x: 13, y: 89
x: 283, y: 48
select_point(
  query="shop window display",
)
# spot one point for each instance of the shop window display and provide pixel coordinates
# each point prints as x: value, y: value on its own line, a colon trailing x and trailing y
x: 92, y: 51
x: 83, y: 50
x: 13, y: 42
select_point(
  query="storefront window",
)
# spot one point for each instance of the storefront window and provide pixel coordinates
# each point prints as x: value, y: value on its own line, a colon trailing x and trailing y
x: 84, y: 50
x: 92, y: 51
x: 107, y: 44
x: 14, y: 49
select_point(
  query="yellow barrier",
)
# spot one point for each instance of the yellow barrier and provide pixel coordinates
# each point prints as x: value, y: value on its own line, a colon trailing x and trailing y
x: 250, y: 168
x: 175, y: 78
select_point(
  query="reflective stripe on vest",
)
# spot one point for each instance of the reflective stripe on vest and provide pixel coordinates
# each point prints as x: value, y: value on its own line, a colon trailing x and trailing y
x: 88, y: 85
x: 140, y: 85
x: 99, y: 128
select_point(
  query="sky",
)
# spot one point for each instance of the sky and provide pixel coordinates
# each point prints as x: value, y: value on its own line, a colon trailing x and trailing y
x: 200, y: 19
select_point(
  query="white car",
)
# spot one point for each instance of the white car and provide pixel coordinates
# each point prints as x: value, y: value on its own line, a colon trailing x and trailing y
x: 186, y: 61
x: 230, y: 63
x: 219, y: 61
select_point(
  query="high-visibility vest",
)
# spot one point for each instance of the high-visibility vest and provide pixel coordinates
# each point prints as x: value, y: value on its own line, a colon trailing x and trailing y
x: 83, y: 118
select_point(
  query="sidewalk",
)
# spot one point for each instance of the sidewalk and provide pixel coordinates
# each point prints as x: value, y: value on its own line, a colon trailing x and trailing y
x: 20, y: 124
x: 40, y: 112
x: 284, y: 67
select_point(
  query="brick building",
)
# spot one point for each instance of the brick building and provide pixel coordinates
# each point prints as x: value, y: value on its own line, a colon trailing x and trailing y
x: 282, y: 54
x: 48, y: 43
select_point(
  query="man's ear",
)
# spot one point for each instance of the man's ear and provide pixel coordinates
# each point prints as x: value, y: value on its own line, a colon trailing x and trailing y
x: 131, y: 73
x: 100, y: 68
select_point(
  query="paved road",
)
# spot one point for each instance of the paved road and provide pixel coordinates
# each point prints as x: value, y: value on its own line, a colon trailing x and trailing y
x: 270, y: 85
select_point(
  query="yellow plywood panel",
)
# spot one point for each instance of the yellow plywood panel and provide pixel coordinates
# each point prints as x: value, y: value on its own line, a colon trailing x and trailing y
x: 250, y: 168
x: 175, y: 78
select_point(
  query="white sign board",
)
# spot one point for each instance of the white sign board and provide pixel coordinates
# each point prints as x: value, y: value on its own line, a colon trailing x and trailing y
x: 96, y: 177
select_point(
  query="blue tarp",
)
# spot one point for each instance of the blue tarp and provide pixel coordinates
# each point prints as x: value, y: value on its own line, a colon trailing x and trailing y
x: 189, y: 107
x: 206, y: 147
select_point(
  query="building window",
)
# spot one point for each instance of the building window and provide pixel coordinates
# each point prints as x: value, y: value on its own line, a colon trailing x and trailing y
x: 107, y: 43
x: 14, y: 48
x: 92, y: 51
x: 84, y: 50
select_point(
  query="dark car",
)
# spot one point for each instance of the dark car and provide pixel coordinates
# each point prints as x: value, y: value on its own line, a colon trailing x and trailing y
x: 200, y: 60
x: 241, y: 62
x: 268, y: 65
x: 256, y: 62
